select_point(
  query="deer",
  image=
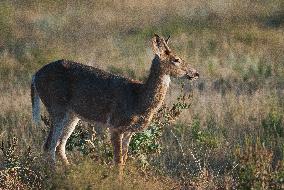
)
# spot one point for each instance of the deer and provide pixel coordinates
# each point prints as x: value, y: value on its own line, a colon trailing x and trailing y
x: 73, y: 91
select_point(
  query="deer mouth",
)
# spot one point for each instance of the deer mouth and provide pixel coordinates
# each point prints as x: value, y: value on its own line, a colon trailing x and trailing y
x: 193, y: 75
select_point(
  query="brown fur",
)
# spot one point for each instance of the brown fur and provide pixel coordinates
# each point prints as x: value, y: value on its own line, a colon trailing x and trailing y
x: 72, y: 90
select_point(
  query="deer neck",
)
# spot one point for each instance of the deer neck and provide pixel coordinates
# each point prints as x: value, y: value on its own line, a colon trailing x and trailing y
x: 155, y: 88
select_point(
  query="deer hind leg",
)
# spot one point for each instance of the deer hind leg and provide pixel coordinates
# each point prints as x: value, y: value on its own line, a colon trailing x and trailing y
x: 59, y: 120
x: 67, y: 131
x: 116, y: 140
x: 125, y: 144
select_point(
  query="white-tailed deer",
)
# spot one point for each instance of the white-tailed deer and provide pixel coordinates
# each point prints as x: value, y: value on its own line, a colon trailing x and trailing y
x: 71, y: 91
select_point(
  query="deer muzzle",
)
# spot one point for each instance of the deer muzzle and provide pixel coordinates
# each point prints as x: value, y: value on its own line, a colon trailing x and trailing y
x: 192, y: 74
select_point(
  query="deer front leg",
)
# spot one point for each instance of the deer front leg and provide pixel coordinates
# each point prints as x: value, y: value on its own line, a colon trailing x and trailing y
x: 116, y: 140
x: 125, y: 144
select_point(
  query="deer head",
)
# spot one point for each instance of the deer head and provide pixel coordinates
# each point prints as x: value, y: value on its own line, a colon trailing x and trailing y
x: 169, y: 63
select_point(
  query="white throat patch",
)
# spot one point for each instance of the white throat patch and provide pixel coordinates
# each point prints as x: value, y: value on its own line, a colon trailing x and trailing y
x: 166, y: 79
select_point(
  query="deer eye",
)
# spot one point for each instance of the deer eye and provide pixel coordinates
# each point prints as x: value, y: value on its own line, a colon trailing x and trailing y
x: 176, y: 62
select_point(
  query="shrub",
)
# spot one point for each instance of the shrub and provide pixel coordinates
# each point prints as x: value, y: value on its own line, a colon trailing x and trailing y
x: 203, y: 136
x: 272, y: 125
x: 18, y: 170
x: 255, y: 167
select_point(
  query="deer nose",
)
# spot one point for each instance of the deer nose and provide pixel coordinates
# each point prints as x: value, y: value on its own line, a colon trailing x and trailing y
x: 193, y: 74
x: 196, y: 74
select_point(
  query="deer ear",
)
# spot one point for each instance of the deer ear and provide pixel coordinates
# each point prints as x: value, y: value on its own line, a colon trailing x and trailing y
x: 156, y: 41
x: 167, y: 40
x: 159, y: 45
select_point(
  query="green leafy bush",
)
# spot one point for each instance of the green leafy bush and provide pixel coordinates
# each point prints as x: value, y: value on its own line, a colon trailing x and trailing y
x: 203, y: 136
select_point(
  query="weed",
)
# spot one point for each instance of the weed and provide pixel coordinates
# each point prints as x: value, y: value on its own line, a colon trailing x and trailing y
x: 18, y: 169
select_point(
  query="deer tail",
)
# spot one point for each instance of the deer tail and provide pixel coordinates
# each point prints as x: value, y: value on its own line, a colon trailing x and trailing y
x: 35, y: 102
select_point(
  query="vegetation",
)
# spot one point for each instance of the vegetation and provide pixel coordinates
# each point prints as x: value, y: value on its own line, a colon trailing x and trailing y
x: 226, y: 132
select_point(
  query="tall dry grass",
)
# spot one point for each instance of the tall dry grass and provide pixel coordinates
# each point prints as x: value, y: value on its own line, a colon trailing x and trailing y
x: 237, y: 47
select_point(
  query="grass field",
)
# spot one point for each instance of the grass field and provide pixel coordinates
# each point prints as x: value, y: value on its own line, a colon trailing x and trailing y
x: 231, y: 137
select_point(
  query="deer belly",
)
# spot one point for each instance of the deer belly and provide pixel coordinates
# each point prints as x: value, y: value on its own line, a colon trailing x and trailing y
x: 92, y: 111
